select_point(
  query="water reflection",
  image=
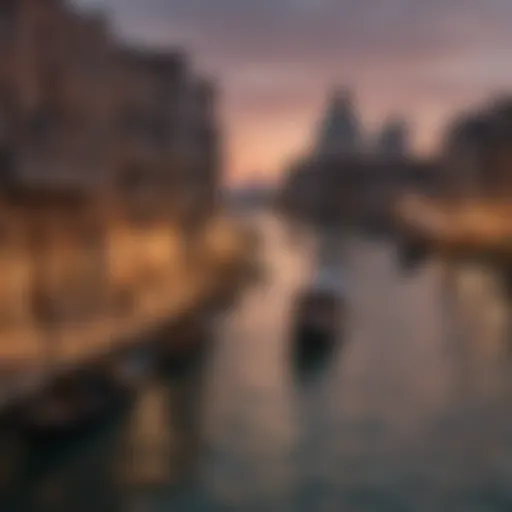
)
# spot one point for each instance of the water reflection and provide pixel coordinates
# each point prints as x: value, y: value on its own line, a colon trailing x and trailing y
x: 149, y: 440
x: 413, y: 413
x: 477, y: 326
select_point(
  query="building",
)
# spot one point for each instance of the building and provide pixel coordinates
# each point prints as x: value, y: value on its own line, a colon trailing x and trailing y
x: 478, y: 151
x: 199, y: 146
x: 339, y: 132
x: 144, y: 125
x: 347, y: 179
x: 392, y: 140
x: 55, y: 98
x: 80, y: 109
x: 100, y: 143
x: 354, y: 190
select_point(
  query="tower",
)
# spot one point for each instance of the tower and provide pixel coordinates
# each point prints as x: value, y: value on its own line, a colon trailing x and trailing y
x: 339, y: 130
x: 392, y: 141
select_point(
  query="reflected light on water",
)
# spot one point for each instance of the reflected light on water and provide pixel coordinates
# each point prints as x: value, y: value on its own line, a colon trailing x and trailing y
x: 147, y: 451
x: 412, y: 413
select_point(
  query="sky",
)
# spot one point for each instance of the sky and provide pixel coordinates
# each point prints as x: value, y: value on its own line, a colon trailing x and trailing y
x: 276, y: 60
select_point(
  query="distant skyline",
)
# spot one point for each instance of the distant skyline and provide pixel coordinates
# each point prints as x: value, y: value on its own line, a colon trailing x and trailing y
x: 276, y: 61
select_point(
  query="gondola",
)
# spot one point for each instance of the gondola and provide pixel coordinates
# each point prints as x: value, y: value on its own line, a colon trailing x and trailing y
x: 185, y: 346
x: 411, y: 253
x: 71, y: 405
x: 318, y: 323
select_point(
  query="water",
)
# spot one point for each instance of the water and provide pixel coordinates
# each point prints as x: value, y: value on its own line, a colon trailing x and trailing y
x: 413, y: 414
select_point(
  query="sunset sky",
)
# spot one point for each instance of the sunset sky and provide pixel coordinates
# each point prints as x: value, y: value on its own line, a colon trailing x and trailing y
x: 276, y: 60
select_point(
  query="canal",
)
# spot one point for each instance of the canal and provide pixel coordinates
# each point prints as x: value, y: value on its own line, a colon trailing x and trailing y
x: 414, y: 414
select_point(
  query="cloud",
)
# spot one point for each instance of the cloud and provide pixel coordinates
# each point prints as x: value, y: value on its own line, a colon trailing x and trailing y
x: 282, y: 29
x: 275, y: 58
x: 319, y: 32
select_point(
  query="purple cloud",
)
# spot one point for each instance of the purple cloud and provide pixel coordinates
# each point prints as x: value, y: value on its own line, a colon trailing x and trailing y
x: 276, y: 56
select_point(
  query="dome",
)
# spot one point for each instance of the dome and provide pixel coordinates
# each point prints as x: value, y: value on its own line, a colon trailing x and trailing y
x: 339, y: 130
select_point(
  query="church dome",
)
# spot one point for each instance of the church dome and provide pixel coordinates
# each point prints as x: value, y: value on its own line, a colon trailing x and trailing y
x: 339, y: 130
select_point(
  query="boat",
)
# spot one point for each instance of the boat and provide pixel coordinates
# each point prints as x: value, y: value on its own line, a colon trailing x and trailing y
x: 411, y: 253
x: 71, y: 404
x: 135, y: 367
x: 318, y: 318
x: 186, y: 345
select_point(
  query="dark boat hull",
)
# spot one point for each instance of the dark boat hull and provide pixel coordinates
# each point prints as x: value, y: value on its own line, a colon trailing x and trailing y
x: 79, y: 424
x: 312, y: 349
x: 79, y: 419
x: 411, y: 254
x: 181, y: 363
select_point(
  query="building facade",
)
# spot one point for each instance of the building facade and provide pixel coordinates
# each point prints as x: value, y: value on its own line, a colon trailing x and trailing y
x: 339, y: 133
x: 392, y: 140
x: 100, y: 143
x: 478, y: 151
x: 349, y: 178
x: 55, y: 99
x: 81, y: 109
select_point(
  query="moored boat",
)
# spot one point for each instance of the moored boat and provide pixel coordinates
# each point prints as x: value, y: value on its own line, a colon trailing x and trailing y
x: 411, y: 253
x: 70, y: 405
x: 318, y: 320
x: 185, y: 345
